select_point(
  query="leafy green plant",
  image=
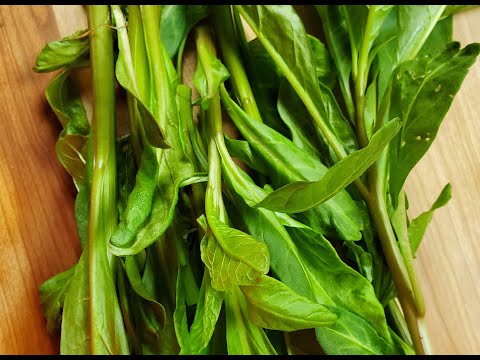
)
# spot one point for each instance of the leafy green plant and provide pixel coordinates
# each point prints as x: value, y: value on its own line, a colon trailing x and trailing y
x: 195, y: 241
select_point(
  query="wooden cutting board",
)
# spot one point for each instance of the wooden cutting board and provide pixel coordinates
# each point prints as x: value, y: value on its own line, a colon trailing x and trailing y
x: 37, y: 228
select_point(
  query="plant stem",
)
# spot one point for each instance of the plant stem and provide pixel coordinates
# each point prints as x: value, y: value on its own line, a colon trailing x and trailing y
x: 225, y: 34
x: 124, y: 45
x: 213, y: 196
x: 388, y: 241
x: 106, y: 333
x: 361, y: 81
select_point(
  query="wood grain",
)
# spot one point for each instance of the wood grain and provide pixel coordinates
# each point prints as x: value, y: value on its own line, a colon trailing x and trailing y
x: 37, y: 228
x: 448, y: 261
x: 37, y: 195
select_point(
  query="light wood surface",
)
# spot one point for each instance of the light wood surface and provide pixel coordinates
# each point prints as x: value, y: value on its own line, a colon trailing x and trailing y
x: 37, y: 228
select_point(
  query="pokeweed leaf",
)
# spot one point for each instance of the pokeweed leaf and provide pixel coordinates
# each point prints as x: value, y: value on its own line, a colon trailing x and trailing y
x: 273, y: 305
x: 422, y: 92
x: 418, y: 226
x: 303, y: 195
x: 71, y: 51
x: 52, y: 298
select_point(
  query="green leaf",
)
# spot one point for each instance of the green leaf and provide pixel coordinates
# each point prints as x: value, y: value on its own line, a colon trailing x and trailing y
x: 418, y: 226
x: 52, y: 298
x: 289, y: 47
x: 278, y: 158
x: 176, y: 23
x: 240, y: 149
x: 303, y: 195
x: 339, y: 339
x: 206, y: 316
x: 362, y: 258
x: 243, y: 337
x: 71, y: 51
x: 157, y: 310
x: 324, y: 67
x: 422, y: 92
x: 338, y: 43
x: 285, y: 261
x: 273, y: 305
x: 75, y: 331
x: 139, y: 203
x: 173, y: 167
x: 416, y: 24
x: 125, y: 73
x: 361, y: 325
x: 207, y: 83
x: 71, y: 146
x: 232, y: 257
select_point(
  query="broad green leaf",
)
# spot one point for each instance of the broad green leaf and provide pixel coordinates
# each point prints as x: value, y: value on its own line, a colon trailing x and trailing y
x: 265, y: 225
x: 71, y: 150
x: 416, y: 24
x: 298, y: 120
x: 338, y: 43
x: 125, y: 73
x: 243, y: 337
x: 362, y: 258
x: 353, y: 335
x: 324, y: 68
x: 422, y: 92
x: 240, y: 149
x: 273, y: 305
x: 135, y: 279
x: 176, y: 23
x: 265, y: 78
x: 173, y: 165
x: 206, y: 317
x: 139, y: 203
x: 52, y: 298
x: 303, y: 195
x: 233, y: 257
x: 289, y: 47
x: 207, y: 82
x: 342, y: 290
x: 71, y: 51
x: 75, y: 339
x: 438, y: 39
x: 279, y: 158
x: 71, y: 146
x: 418, y: 226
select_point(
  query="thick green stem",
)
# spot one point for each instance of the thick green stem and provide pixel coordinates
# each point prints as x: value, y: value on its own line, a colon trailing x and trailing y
x: 225, y: 34
x: 361, y: 81
x: 388, y: 241
x: 124, y: 46
x: 214, y: 202
x: 106, y: 335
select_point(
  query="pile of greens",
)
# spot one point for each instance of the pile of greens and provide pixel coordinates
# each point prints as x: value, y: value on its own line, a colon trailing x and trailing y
x: 288, y: 236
